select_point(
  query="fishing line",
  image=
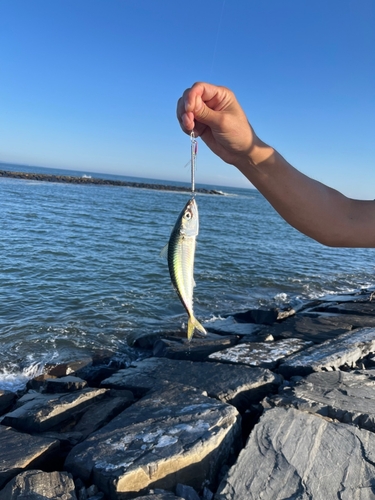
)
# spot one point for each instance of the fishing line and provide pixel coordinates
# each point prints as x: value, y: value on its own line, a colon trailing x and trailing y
x: 194, y: 143
x: 193, y: 156
x: 217, y: 39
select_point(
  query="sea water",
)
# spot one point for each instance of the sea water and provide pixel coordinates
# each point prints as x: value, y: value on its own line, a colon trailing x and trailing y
x: 81, y: 271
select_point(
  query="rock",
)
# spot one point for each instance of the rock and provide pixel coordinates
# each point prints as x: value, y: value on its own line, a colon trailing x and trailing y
x: 173, y: 435
x: 346, y: 396
x: 293, y: 454
x: 37, y: 485
x: 257, y: 316
x: 229, y: 326
x: 186, y: 492
x: 64, y: 384
x: 159, y: 495
x: 71, y: 179
x: 237, y: 385
x: 67, y: 439
x: 195, y: 350
x: 20, y: 451
x: 346, y: 349
x: 69, y: 367
x: 356, y: 308
x: 37, y: 383
x: 102, y: 412
x: 7, y: 399
x: 311, y: 329
x: 41, y: 412
x: 263, y: 354
x: 142, y: 340
x: 355, y: 320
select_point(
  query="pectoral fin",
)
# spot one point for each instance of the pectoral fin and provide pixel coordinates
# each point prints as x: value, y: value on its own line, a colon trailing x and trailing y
x: 164, y: 251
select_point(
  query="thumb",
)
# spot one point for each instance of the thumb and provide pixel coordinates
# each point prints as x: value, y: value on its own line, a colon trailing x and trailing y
x: 204, y: 114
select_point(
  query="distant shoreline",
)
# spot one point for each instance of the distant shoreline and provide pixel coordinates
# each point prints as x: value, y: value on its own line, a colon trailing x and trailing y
x: 71, y: 179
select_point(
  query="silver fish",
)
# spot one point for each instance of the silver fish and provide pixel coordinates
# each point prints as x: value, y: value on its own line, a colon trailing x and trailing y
x: 180, y: 252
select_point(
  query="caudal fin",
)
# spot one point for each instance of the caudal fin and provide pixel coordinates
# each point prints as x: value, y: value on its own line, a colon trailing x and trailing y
x: 193, y: 324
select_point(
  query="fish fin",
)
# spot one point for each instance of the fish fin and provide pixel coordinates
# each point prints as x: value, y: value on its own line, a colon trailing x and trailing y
x: 164, y: 251
x: 193, y: 324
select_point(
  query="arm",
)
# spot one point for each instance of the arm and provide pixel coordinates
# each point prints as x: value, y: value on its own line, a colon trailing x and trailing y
x: 308, y: 205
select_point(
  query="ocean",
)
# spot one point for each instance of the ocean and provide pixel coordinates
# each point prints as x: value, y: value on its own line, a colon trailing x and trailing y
x: 81, y: 269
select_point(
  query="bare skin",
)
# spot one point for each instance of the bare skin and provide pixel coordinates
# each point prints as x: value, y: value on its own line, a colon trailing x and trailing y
x: 313, y: 208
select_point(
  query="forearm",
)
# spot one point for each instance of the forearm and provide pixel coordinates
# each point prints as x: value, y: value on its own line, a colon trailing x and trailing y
x: 316, y: 210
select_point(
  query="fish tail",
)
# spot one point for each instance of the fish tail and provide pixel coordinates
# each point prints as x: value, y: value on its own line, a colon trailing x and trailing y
x: 193, y: 324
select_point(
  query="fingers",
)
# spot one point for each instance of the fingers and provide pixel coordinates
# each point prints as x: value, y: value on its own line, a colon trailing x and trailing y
x: 199, y: 105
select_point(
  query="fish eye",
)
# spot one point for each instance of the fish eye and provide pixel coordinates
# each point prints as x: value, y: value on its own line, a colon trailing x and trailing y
x: 188, y: 215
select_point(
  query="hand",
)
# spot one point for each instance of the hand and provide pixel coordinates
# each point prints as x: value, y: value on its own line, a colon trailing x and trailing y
x: 215, y: 115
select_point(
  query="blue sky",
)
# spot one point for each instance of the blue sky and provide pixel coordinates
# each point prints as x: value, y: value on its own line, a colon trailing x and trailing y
x: 93, y: 84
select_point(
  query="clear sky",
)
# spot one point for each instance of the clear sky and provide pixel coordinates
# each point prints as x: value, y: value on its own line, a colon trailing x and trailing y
x: 93, y: 84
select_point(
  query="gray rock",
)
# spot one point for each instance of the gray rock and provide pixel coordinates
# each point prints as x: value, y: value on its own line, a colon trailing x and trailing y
x: 258, y: 316
x: 346, y: 349
x: 102, y: 412
x: 69, y: 367
x: 362, y: 308
x: 355, y: 320
x: 237, y: 385
x: 20, y: 451
x: 37, y: 485
x: 7, y: 399
x: 346, y: 396
x: 196, y: 349
x: 313, y: 329
x: 41, y: 412
x: 161, y: 495
x: 229, y: 326
x: 263, y: 354
x: 293, y: 454
x: 38, y: 383
x: 186, y: 492
x: 175, y: 435
x: 64, y: 384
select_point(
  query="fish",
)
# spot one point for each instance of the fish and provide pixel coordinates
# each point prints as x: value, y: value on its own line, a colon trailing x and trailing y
x: 180, y: 253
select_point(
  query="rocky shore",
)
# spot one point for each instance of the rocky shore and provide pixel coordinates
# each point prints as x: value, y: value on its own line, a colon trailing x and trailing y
x: 71, y: 179
x: 272, y: 404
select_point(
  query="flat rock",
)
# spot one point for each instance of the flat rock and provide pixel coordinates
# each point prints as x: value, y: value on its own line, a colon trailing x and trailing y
x: 293, y: 454
x: 195, y: 350
x: 64, y: 384
x: 313, y: 329
x: 174, y: 435
x: 69, y: 367
x: 345, y: 396
x: 7, y: 399
x: 37, y: 485
x: 257, y: 316
x: 346, y: 349
x: 20, y: 451
x: 362, y: 308
x: 237, y: 385
x: 355, y: 320
x: 166, y: 495
x: 101, y: 412
x: 41, y: 412
x: 229, y: 326
x: 263, y: 354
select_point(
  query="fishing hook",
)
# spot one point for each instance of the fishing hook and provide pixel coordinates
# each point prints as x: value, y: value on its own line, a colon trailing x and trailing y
x: 194, y: 151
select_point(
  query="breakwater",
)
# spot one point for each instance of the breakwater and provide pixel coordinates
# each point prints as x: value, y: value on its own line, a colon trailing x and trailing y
x: 89, y: 180
x: 271, y: 404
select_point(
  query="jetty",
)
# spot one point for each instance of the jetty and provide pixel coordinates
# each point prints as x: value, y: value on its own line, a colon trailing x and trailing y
x: 89, y: 180
x: 272, y: 404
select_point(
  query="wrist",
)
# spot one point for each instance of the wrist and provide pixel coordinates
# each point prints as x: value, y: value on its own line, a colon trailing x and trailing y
x: 259, y: 155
